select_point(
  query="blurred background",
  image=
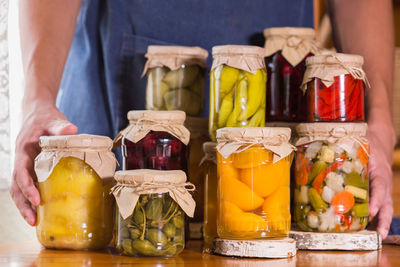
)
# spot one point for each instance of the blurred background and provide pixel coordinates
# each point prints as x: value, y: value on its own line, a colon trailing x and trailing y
x: 12, y: 226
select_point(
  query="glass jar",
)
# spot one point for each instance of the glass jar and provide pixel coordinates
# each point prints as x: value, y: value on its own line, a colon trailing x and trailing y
x: 340, y: 100
x: 253, y: 182
x: 198, y: 128
x: 155, y: 140
x: 237, y: 92
x: 208, y: 169
x: 175, y: 78
x: 331, y: 179
x: 151, y: 224
x: 285, y: 70
x: 76, y: 207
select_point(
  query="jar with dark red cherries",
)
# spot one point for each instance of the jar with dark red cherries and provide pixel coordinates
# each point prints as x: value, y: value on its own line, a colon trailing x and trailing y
x: 155, y: 140
x: 286, y: 52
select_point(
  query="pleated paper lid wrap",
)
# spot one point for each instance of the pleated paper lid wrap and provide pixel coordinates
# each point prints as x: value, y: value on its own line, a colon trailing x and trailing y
x: 326, y: 67
x: 174, y: 57
x: 209, y: 149
x: 133, y: 183
x: 141, y: 122
x: 295, y: 43
x: 94, y: 150
x: 244, y: 57
x: 341, y: 134
x: 237, y: 139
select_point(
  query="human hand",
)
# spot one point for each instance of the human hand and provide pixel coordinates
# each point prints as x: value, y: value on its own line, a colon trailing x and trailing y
x: 380, y: 136
x: 42, y: 120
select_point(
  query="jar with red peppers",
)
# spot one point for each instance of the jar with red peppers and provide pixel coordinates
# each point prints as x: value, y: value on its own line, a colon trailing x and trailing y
x: 286, y: 51
x: 334, y: 88
x: 154, y: 140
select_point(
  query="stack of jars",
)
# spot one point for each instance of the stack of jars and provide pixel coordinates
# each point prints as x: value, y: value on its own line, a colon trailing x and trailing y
x: 331, y: 168
x: 175, y: 81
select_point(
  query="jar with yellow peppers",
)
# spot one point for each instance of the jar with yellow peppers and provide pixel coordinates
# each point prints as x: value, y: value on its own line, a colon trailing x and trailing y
x: 253, y: 182
x: 332, y: 183
x: 75, y: 175
x: 237, y: 87
x: 208, y: 169
x: 175, y: 78
x: 150, y: 220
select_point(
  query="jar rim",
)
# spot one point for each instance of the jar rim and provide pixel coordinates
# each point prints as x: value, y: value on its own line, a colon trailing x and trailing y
x: 177, y: 116
x: 261, y: 133
x: 80, y: 141
x: 234, y: 50
x: 336, y: 59
x: 307, y: 33
x: 141, y: 176
x: 333, y: 129
x: 169, y: 50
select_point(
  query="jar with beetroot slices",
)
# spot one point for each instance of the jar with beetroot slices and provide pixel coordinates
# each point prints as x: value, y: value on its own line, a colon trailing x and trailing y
x: 286, y: 50
x: 331, y: 177
x: 154, y: 140
x: 334, y: 88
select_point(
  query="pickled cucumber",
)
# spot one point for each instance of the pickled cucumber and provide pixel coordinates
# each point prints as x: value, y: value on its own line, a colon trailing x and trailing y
x: 156, y: 228
x: 316, y: 201
x: 183, y: 99
x: 181, y: 89
x: 317, y: 168
x: 354, y: 179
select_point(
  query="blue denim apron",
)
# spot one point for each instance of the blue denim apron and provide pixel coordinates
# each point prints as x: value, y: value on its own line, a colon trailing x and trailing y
x: 102, y: 77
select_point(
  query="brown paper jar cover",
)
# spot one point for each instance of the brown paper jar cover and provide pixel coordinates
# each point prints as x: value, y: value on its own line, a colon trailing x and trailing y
x: 326, y: 67
x: 174, y: 57
x: 94, y: 150
x: 235, y: 139
x: 243, y: 57
x: 295, y: 43
x: 141, y: 122
x: 341, y: 134
x: 133, y: 183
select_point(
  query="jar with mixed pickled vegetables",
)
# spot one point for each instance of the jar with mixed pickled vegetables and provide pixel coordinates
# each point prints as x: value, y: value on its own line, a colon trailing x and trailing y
x: 175, y: 78
x: 286, y: 50
x: 253, y: 182
x: 150, y: 220
x: 334, y: 88
x: 331, y: 174
x: 75, y: 175
x: 154, y: 140
x: 237, y: 88
x: 208, y: 169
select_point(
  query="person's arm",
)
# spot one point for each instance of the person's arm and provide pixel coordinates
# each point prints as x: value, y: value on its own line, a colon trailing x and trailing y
x: 47, y: 28
x: 365, y: 27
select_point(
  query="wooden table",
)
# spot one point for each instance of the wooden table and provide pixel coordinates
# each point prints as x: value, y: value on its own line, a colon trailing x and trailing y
x: 32, y: 254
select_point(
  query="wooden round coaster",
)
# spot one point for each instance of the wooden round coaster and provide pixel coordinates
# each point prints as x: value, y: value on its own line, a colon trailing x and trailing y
x: 265, y: 248
x: 362, y: 240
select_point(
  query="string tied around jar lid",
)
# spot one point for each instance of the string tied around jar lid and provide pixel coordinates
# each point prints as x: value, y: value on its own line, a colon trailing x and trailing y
x: 342, y: 134
x: 357, y: 72
x: 133, y: 183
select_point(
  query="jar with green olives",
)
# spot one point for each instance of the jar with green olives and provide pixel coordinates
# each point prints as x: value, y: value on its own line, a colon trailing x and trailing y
x: 150, y: 221
x: 175, y: 78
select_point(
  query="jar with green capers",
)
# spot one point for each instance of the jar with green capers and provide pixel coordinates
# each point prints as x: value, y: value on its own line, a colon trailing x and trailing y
x: 151, y: 212
x: 175, y: 78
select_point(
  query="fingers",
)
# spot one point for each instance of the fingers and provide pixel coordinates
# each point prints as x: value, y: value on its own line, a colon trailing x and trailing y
x: 61, y: 127
x: 23, y: 204
x: 378, y: 193
x: 385, y: 219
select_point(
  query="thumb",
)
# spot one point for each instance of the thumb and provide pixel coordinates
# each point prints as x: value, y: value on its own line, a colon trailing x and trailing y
x: 61, y: 127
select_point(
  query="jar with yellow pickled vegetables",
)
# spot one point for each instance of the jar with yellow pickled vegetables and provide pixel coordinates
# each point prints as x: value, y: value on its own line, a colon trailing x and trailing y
x: 253, y: 182
x: 150, y: 220
x: 208, y: 169
x: 331, y: 177
x: 237, y: 88
x: 175, y: 78
x: 75, y: 175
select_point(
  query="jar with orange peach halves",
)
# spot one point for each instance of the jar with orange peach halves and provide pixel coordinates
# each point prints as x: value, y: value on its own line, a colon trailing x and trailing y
x: 253, y: 169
